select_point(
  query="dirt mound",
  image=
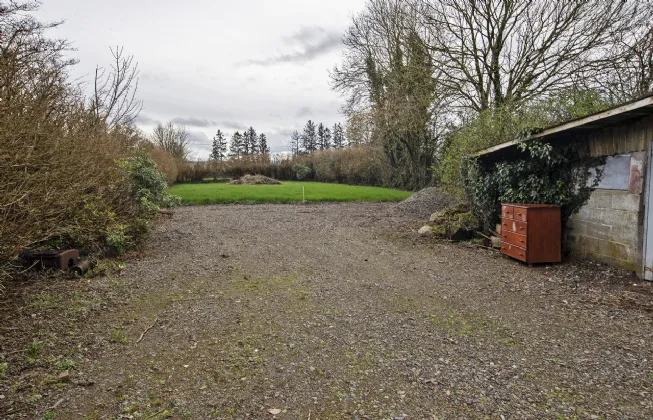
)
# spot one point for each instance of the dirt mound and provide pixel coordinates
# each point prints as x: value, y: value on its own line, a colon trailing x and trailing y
x: 256, y: 180
x: 425, y: 202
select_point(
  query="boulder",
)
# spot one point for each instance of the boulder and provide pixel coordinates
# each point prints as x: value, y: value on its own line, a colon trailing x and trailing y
x: 439, y: 217
x: 496, y: 242
x: 425, y: 231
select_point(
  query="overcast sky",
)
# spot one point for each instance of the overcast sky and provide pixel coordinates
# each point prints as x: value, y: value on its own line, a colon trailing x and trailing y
x: 224, y: 64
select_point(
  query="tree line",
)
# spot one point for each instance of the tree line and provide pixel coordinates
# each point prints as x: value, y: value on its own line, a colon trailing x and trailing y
x: 314, y: 138
x: 246, y: 144
x: 418, y: 73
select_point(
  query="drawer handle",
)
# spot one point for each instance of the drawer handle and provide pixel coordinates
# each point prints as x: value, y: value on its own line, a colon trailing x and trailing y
x: 518, y: 214
x: 521, y: 255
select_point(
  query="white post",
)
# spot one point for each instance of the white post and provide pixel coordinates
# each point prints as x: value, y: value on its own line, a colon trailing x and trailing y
x: 303, y: 195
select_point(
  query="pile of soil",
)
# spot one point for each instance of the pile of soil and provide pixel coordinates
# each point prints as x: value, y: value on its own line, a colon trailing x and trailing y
x: 256, y: 180
x: 425, y: 202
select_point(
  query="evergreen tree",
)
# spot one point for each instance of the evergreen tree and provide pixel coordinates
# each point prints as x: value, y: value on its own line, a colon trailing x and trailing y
x: 322, y: 141
x: 219, y: 149
x: 236, y: 146
x: 263, y: 144
x: 295, y: 142
x: 250, y: 141
x: 338, y: 136
x: 309, y: 137
x: 245, y: 143
x: 327, y: 138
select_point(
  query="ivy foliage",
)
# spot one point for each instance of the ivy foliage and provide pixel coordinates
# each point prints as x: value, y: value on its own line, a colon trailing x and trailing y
x: 543, y: 174
x: 506, y: 123
x: 147, y: 185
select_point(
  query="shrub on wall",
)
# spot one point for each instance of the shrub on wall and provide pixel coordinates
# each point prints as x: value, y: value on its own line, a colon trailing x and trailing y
x: 543, y: 174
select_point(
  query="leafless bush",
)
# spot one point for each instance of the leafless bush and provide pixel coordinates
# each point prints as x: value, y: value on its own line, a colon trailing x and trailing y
x: 174, y: 139
x: 364, y: 165
x: 60, y: 184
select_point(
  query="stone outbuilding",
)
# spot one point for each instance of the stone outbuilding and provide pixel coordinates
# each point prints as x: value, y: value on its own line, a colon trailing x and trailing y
x: 616, y: 225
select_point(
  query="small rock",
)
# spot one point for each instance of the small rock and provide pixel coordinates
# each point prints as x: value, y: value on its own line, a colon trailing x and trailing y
x: 425, y: 231
x: 274, y: 411
x: 64, y: 376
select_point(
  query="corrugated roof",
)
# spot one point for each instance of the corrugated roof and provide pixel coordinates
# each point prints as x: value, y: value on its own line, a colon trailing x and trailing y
x: 630, y: 110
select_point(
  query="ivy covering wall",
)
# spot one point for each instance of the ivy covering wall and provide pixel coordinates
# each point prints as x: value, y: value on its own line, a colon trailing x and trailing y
x: 542, y: 174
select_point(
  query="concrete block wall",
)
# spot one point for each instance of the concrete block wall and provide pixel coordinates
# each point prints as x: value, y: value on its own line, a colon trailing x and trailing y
x: 609, y: 228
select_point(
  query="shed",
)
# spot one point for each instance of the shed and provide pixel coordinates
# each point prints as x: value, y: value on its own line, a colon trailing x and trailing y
x: 616, y: 225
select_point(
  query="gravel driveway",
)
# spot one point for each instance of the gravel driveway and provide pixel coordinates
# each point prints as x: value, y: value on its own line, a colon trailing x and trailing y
x: 340, y: 311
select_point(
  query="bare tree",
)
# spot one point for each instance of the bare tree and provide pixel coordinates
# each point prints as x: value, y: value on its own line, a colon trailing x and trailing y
x: 631, y: 74
x: 499, y: 51
x: 173, y: 139
x: 114, y: 100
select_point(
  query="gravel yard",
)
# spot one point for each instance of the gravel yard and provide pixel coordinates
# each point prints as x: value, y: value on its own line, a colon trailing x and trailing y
x: 333, y: 311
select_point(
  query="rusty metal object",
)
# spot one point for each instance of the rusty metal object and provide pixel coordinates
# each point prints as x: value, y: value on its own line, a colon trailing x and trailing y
x: 81, y: 268
x: 63, y: 260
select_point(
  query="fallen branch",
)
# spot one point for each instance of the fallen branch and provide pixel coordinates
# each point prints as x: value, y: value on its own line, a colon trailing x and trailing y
x: 167, y: 212
x: 147, y: 329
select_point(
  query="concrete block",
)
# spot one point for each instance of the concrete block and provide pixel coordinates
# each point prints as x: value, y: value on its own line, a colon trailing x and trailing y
x: 604, y: 247
x: 590, y: 214
x: 615, y: 262
x: 600, y: 199
x: 626, y: 201
x: 616, y: 218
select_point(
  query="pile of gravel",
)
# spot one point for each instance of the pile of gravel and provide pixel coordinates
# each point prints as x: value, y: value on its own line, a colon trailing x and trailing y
x: 256, y: 180
x: 424, y: 203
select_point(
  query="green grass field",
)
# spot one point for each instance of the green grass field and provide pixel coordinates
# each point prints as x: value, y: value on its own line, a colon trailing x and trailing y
x: 289, y: 192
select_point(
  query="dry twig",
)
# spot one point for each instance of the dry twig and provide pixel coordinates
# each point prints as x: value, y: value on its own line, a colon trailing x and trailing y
x: 147, y: 329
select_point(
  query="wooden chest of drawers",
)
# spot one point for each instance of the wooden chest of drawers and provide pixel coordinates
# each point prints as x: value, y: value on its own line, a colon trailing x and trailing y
x: 531, y: 233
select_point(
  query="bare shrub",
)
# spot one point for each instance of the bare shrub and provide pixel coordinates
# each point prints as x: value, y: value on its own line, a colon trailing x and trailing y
x: 60, y: 183
x: 165, y: 162
x: 363, y: 165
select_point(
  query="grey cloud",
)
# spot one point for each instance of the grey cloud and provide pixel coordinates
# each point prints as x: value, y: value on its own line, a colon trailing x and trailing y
x: 304, y: 112
x: 310, y: 42
x: 205, y: 123
x: 194, y: 121
x: 145, y: 119
x: 200, y: 141
x: 286, y: 132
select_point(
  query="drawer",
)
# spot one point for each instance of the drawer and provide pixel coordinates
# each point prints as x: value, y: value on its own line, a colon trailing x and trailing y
x: 520, y: 214
x: 514, y: 238
x: 513, y: 251
x: 507, y: 211
x: 513, y: 226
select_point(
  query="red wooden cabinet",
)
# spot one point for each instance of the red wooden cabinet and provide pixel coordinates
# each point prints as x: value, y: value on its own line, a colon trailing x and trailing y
x: 531, y: 233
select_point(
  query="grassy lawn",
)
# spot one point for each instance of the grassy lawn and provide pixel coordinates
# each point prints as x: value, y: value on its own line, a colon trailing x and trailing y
x: 289, y: 192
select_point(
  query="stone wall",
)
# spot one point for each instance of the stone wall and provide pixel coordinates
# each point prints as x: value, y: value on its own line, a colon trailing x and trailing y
x: 609, y: 228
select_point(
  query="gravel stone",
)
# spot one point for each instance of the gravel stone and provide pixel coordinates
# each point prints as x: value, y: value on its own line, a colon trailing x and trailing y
x: 296, y: 320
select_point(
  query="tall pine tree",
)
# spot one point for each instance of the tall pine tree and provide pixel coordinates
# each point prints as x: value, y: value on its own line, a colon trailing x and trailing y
x: 322, y: 141
x: 295, y: 142
x: 338, y: 136
x: 309, y: 137
x: 219, y: 149
x: 236, y: 146
x: 327, y: 138
x: 251, y: 141
x: 263, y: 144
